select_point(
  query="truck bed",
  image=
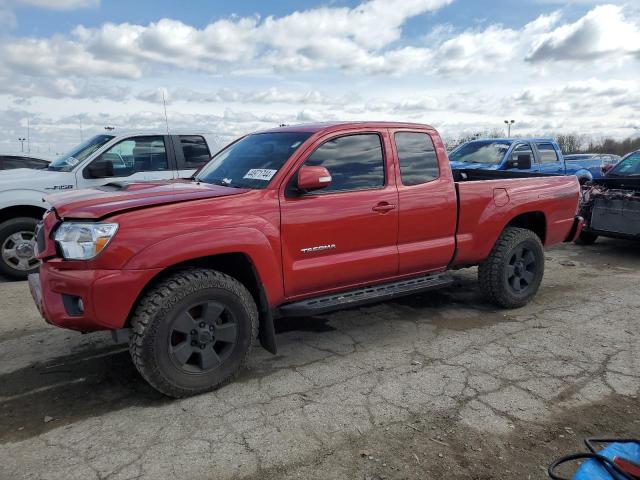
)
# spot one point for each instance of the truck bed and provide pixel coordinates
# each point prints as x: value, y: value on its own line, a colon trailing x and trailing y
x: 474, y: 174
x: 487, y: 205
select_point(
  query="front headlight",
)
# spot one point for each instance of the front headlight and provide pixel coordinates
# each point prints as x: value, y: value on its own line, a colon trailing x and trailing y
x: 83, y: 241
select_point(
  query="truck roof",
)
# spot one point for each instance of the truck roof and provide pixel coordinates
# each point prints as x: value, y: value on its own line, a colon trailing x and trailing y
x: 337, y: 125
x: 513, y: 139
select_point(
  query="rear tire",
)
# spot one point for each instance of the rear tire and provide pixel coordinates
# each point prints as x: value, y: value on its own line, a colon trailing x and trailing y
x: 511, y: 275
x: 193, y: 331
x: 586, y: 238
x: 17, y: 248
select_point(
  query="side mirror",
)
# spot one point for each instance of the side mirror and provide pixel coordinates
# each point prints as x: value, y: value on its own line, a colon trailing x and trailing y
x: 99, y: 168
x: 521, y: 162
x: 605, y: 168
x: 313, y: 178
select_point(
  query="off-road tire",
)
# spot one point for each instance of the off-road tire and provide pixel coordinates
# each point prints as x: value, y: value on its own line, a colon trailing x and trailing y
x: 586, y: 238
x: 151, y: 330
x: 493, y: 272
x: 8, y: 228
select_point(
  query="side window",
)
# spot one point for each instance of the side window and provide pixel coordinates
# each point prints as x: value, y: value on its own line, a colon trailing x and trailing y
x: 355, y: 162
x: 522, y: 149
x: 417, y: 157
x: 195, y: 150
x: 547, y: 153
x: 138, y: 154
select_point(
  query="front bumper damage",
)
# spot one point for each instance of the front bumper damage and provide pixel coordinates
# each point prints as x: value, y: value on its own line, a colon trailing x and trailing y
x: 612, y: 209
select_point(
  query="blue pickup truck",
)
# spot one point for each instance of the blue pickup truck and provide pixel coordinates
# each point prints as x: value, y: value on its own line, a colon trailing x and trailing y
x: 537, y: 155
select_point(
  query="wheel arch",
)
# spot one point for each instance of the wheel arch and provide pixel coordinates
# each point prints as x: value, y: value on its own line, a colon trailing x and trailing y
x: 238, y: 265
x: 535, y: 221
x: 17, y: 211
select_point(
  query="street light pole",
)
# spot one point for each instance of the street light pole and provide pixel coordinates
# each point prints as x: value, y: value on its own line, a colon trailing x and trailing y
x: 509, y: 123
x: 22, y: 140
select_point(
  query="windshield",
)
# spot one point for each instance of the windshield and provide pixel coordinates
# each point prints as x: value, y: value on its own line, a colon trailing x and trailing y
x: 70, y: 159
x: 252, y: 161
x: 480, y: 152
x: 629, y: 166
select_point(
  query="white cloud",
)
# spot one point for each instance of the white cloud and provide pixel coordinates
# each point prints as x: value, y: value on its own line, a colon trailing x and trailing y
x: 58, y: 4
x: 603, y: 33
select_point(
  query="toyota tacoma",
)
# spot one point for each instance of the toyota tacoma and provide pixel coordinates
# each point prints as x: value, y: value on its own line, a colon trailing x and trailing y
x: 294, y: 221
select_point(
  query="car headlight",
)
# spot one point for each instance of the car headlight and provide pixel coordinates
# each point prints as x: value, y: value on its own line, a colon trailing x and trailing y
x: 83, y: 241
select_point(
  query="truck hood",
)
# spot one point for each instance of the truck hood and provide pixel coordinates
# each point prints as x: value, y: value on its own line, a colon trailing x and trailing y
x: 99, y: 202
x: 29, y: 178
x: 473, y: 166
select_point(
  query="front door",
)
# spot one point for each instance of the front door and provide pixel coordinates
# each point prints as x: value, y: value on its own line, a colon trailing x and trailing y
x: 134, y: 159
x: 346, y: 234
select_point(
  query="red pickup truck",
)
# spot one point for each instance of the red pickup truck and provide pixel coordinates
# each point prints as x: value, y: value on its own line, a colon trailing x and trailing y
x: 292, y: 221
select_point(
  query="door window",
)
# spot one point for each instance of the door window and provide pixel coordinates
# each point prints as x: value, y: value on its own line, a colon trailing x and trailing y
x: 139, y: 154
x: 355, y: 162
x: 417, y: 157
x: 195, y: 150
x: 548, y: 154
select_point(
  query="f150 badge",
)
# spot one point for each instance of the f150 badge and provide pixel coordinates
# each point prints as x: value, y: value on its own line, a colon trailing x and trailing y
x: 60, y: 187
x: 318, y: 248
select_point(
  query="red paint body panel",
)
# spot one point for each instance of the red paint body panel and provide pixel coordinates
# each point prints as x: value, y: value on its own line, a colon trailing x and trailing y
x: 300, y: 246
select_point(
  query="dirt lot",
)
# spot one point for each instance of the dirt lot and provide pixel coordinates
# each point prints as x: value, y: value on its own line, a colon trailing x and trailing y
x: 435, y: 386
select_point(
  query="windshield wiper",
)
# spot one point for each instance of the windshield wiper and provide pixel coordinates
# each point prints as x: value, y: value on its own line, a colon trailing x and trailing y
x: 221, y: 182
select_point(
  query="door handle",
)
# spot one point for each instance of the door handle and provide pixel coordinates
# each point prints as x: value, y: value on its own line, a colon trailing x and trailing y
x: 383, y: 207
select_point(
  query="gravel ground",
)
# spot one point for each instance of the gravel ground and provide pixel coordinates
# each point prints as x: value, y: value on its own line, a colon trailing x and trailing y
x: 439, y: 385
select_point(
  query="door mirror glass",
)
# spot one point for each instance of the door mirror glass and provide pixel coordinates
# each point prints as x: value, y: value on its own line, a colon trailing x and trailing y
x: 521, y: 162
x: 313, y: 178
x: 100, y: 168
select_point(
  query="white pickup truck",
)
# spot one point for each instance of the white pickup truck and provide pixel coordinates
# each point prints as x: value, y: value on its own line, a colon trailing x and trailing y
x: 100, y: 160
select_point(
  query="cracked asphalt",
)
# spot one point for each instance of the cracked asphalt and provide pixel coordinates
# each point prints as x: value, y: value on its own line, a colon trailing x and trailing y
x: 431, y: 386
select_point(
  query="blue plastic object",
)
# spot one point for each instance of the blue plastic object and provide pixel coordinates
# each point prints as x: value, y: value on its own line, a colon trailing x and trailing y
x: 593, y: 469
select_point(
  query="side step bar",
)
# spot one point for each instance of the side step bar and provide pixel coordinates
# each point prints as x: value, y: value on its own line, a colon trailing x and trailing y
x: 361, y: 296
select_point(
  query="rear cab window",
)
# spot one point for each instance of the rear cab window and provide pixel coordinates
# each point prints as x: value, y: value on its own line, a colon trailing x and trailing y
x: 417, y: 158
x: 193, y: 151
x: 547, y: 153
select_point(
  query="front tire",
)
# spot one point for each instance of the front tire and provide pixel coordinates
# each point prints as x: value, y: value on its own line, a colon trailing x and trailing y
x: 586, y: 238
x: 17, y: 248
x: 511, y: 275
x: 192, y: 332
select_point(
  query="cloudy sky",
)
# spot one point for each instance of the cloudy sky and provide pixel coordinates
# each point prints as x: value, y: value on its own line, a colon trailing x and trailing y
x: 73, y: 66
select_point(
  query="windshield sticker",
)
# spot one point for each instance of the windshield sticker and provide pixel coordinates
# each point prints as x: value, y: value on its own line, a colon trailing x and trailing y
x: 264, y: 174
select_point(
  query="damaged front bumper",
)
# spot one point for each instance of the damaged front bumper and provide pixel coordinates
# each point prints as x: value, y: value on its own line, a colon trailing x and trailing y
x: 612, y: 211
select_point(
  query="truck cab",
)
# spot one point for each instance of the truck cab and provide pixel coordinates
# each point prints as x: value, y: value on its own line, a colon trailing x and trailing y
x: 102, y: 159
x: 533, y: 155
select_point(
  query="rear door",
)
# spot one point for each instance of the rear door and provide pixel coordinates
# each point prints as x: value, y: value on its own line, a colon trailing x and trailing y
x: 550, y: 159
x: 346, y: 234
x: 134, y: 159
x: 427, y: 205
x: 192, y: 152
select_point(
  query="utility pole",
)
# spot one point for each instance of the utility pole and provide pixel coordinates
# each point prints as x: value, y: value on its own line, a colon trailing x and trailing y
x: 109, y: 128
x: 28, y: 135
x: 22, y: 140
x: 509, y: 123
